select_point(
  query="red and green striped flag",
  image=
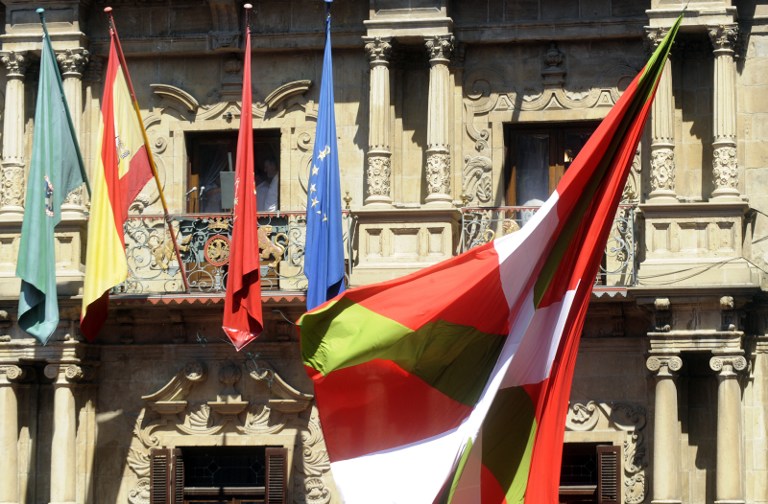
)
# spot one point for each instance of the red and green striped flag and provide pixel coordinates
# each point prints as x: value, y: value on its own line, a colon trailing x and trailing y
x: 452, y: 384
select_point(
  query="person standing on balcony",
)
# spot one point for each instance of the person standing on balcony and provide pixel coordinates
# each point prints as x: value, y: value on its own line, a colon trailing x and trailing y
x: 268, y: 188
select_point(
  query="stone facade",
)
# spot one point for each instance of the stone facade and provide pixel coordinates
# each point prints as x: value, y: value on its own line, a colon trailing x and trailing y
x: 430, y: 95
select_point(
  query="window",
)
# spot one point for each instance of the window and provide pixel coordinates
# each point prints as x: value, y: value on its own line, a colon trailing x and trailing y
x: 590, y: 474
x: 212, y: 156
x: 537, y: 157
x: 218, y: 475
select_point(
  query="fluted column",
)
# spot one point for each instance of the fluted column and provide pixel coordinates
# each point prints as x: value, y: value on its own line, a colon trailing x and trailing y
x: 72, y: 62
x: 730, y: 432
x: 662, y: 131
x: 12, y: 165
x: 438, y: 169
x: 666, y: 431
x: 725, y: 165
x: 379, y: 173
x: 63, y: 445
x: 9, y: 433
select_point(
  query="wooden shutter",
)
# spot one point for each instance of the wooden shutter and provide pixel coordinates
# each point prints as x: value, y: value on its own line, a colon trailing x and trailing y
x: 277, y: 474
x: 159, y: 472
x: 609, y: 474
x: 177, y: 482
x: 166, y: 476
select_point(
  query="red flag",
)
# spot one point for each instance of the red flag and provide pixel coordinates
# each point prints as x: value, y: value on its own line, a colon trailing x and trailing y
x: 243, y: 320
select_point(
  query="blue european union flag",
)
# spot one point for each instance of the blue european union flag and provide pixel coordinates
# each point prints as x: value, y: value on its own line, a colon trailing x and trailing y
x: 324, y: 252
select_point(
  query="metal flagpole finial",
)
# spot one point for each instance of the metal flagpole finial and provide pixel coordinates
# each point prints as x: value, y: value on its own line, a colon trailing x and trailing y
x: 108, y: 10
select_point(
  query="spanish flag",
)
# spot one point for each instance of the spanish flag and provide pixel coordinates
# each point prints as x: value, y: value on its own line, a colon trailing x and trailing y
x: 122, y: 170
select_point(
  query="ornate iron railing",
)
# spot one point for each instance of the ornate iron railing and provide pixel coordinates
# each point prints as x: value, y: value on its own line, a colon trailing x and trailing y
x: 204, y: 245
x: 482, y: 224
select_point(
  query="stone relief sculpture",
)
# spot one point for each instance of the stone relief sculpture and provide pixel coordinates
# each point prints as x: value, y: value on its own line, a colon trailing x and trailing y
x: 177, y: 410
x: 625, y: 418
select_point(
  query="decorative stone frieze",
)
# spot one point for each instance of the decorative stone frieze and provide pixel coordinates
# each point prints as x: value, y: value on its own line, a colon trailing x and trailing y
x: 478, y: 185
x: 379, y: 176
x: 438, y: 174
x: 274, y: 411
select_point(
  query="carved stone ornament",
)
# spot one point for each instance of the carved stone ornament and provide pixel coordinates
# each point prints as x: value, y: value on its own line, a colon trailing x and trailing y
x: 178, y: 410
x: 723, y: 37
x: 664, y: 365
x: 11, y: 373
x: 440, y: 48
x: 16, y: 63
x: 728, y: 364
x: 663, y: 170
x: 617, y: 417
x: 379, y: 174
x: 378, y: 50
x: 725, y: 168
x: 478, y: 186
x: 554, y: 70
x: 11, y: 184
x: 438, y: 170
x: 631, y: 192
x: 72, y: 62
x: 64, y: 374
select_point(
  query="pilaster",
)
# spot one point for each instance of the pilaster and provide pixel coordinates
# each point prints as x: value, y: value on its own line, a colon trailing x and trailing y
x: 725, y: 166
x: 438, y: 168
x: 730, y: 438
x: 662, y: 130
x: 666, y: 435
x: 72, y: 63
x: 65, y: 376
x: 12, y: 165
x: 10, y: 375
x: 379, y: 171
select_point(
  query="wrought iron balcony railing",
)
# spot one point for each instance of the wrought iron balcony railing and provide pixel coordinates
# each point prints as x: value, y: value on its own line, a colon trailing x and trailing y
x: 482, y: 224
x: 204, y: 245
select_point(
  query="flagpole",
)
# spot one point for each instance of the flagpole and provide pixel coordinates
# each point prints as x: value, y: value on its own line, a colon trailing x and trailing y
x: 41, y: 12
x: 152, y: 165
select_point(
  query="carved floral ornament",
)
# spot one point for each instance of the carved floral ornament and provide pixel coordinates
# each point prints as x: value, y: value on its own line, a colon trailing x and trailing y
x: 73, y: 61
x: 724, y: 37
x: 378, y: 50
x: 625, y: 418
x: 379, y: 175
x: 177, y: 410
x: 725, y: 167
x: 440, y: 47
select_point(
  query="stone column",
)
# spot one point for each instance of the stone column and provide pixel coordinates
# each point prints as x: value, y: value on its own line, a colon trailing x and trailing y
x: 379, y: 173
x: 63, y: 452
x: 438, y: 169
x: 12, y: 165
x: 72, y: 62
x: 666, y: 431
x: 9, y: 433
x: 725, y: 165
x: 662, y: 131
x: 730, y: 440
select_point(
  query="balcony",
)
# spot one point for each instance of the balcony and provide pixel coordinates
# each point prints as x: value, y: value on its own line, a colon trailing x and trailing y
x: 618, y: 268
x: 204, y: 247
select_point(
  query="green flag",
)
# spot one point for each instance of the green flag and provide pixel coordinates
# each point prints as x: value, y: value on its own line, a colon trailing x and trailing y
x: 56, y: 169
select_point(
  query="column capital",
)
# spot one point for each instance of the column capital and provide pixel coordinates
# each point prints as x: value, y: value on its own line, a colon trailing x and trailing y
x: 727, y: 365
x: 723, y: 37
x: 654, y: 35
x: 378, y: 49
x: 15, y: 62
x: 72, y: 62
x: 68, y: 374
x: 440, y: 48
x: 11, y: 374
x: 664, y: 365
